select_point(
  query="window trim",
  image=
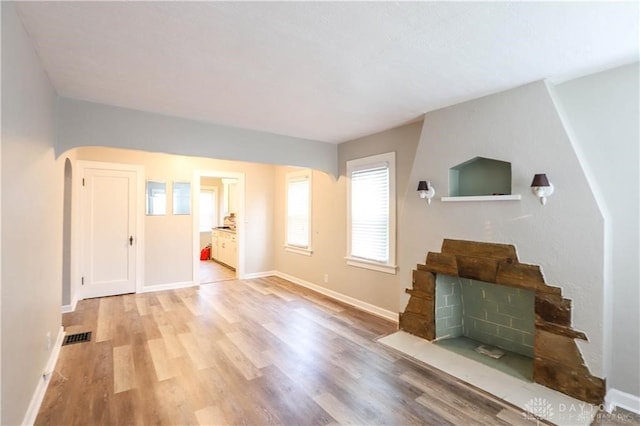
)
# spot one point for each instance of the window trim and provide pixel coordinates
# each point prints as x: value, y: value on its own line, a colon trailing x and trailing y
x: 304, y: 174
x: 388, y: 159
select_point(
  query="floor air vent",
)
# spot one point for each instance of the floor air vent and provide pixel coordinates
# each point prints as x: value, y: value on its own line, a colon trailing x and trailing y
x: 77, y: 338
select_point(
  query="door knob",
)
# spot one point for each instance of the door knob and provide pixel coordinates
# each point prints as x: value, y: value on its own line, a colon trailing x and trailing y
x: 131, y: 240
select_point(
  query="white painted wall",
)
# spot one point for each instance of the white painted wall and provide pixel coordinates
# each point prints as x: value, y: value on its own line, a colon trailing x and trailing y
x: 169, y: 239
x: 565, y: 237
x: 603, y: 115
x: 32, y: 181
x: 329, y: 222
x: 89, y: 124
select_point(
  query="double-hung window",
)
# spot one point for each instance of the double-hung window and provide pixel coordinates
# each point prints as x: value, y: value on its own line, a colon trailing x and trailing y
x: 298, y: 212
x: 371, y: 213
x: 208, y: 206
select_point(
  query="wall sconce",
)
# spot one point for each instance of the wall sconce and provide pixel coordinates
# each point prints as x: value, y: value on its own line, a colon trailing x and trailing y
x: 425, y: 190
x: 541, y: 187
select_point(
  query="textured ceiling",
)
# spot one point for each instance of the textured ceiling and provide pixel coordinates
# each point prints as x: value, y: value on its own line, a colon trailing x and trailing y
x: 318, y: 70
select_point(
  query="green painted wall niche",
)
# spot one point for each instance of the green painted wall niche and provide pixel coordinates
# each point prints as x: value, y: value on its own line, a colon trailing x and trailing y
x: 480, y: 176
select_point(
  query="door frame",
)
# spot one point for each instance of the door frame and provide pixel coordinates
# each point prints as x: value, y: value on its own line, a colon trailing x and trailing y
x: 240, y: 219
x: 78, y: 218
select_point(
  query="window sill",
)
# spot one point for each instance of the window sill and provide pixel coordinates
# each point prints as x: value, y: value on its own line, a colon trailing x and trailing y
x: 298, y: 250
x: 374, y: 266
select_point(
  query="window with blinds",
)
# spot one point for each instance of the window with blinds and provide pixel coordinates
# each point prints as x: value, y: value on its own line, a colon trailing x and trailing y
x: 370, y: 213
x: 298, y: 210
x: 371, y: 210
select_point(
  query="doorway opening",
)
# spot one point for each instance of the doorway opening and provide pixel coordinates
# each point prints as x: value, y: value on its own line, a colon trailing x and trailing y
x: 218, y: 230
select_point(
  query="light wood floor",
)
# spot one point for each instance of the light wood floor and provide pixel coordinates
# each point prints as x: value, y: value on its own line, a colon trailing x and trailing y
x: 255, y: 352
x: 213, y: 272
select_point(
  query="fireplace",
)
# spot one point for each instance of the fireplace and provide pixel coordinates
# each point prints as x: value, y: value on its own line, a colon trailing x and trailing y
x: 557, y: 362
x: 490, y: 323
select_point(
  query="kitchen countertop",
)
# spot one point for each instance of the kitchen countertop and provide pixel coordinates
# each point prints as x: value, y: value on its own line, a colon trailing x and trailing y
x: 228, y: 230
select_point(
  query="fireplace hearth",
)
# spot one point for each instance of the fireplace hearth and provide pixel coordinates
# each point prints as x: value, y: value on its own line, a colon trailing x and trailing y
x: 557, y: 361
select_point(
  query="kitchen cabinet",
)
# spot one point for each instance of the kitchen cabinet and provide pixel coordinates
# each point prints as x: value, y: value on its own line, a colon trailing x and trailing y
x: 224, y: 247
x: 214, y: 245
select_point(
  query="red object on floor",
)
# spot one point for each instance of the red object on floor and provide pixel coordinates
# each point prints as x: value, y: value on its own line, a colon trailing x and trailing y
x: 205, y: 253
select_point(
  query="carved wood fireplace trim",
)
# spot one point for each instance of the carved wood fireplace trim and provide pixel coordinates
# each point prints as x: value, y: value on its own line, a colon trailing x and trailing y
x: 557, y: 362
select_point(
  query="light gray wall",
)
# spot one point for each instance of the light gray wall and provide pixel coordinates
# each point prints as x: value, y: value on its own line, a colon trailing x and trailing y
x: 329, y: 222
x: 66, y: 233
x: 565, y: 237
x: 84, y: 123
x: 32, y: 182
x: 603, y: 115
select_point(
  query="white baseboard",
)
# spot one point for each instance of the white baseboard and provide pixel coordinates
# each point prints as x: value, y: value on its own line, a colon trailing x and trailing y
x: 43, y: 383
x: 617, y: 398
x: 259, y: 275
x: 168, y: 286
x: 363, y: 306
x: 70, y: 308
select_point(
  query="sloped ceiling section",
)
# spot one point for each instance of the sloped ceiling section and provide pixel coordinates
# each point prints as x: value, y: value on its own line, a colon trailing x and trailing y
x: 325, y: 71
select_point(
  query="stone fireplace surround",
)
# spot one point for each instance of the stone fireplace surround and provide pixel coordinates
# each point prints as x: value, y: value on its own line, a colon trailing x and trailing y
x: 557, y: 361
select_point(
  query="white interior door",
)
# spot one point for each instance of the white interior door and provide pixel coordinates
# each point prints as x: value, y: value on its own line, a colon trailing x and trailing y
x: 109, y: 238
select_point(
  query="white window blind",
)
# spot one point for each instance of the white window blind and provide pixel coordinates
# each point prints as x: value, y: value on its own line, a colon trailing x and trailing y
x: 298, y: 215
x: 370, y: 213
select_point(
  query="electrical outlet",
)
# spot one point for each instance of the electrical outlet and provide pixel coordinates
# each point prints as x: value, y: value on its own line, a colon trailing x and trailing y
x: 326, y: 278
x: 48, y: 340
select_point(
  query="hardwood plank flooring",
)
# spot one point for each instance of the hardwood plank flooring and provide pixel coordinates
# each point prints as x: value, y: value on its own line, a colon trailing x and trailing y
x: 255, y: 352
x: 212, y: 272
x: 123, y: 369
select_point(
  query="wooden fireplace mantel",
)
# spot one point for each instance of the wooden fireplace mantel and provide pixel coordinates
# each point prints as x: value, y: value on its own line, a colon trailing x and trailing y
x: 557, y: 363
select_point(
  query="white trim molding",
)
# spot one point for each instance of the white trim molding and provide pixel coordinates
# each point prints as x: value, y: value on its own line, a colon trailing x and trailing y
x: 359, y: 304
x: 41, y: 388
x: 259, y: 275
x: 71, y: 307
x: 374, y: 266
x: 168, y: 286
x: 298, y: 250
x: 617, y: 398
